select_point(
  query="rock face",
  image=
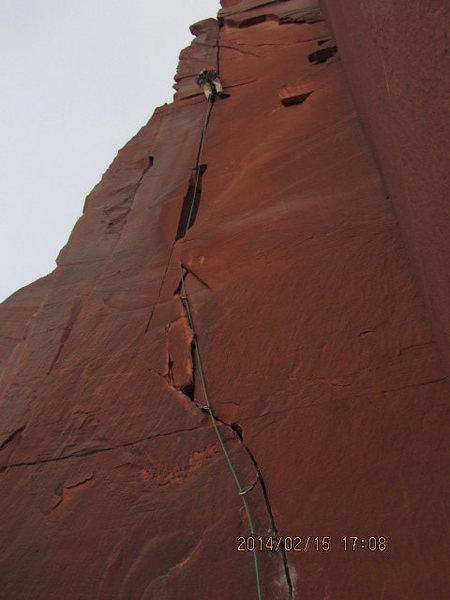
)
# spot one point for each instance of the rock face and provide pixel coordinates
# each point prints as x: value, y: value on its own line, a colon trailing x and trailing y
x: 396, y: 59
x: 319, y: 356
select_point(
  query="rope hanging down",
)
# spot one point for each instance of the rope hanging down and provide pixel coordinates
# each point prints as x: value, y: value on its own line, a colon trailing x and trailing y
x: 199, y: 160
x: 241, y: 491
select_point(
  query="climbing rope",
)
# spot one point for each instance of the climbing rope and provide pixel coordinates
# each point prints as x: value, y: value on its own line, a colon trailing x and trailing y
x: 241, y: 491
x: 199, y: 159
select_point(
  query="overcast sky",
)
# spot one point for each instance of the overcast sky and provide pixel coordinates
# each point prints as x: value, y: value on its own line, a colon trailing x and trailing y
x: 78, y: 79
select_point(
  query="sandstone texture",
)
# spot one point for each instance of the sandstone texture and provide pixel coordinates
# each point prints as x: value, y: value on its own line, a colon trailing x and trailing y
x: 396, y: 59
x: 319, y: 323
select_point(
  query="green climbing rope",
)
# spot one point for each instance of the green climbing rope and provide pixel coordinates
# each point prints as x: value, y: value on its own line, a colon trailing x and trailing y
x: 241, y: 491
x: 199, y: 159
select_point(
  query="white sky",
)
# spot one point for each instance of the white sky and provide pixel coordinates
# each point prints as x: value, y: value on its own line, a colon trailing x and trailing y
x: 78, y: 78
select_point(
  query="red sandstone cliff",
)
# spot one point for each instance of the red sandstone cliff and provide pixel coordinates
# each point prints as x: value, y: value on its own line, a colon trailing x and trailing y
x: 320, y: 357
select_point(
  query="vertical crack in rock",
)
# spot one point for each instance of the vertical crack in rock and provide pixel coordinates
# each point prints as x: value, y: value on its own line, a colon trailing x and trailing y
x: 218, y: 53
x: 187, y: 217
x: 194, y: 193
x: 76, y: 309
x: 191, y: 202
x: 199, y: 170
x: 287, y: 572
x: 239, y: 434
x: 169, y: 369
x: 189, y: 390
x: 238, y: 431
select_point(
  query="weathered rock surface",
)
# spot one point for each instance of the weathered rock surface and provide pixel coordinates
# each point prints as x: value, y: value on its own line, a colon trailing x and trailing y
x: 396, y: 58
x: 319, y: 354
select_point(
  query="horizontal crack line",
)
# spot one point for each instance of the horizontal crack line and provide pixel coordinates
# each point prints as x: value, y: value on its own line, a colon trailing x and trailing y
x: 412, y: 385
x: 82, y: 454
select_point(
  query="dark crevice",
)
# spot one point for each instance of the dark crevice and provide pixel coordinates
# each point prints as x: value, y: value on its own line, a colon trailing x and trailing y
x: 286, y: 19
x: 179, y: 287
x: 254, y: 21
x: 322, y: 55
x: 189, y: 389
x: 321, y: 42
x: 12, y: 437
x: 191, y: 202
x: 169, y: 369
x: 237, y: 430
x: 76, y: 308
x: 272, y: 522
x: 297, y: 20
x: 188, y: 271
x: 297, y: 99
x: 257, y: 19
x: 60, y: 491
x: 218, y: 56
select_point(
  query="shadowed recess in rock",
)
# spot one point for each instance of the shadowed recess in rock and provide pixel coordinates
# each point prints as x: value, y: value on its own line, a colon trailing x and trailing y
x: 296, y: 99
x: 191, y: 202
x: 322, y: 55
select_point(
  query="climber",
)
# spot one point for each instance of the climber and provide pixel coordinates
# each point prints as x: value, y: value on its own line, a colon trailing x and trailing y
x: 210, y: 83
